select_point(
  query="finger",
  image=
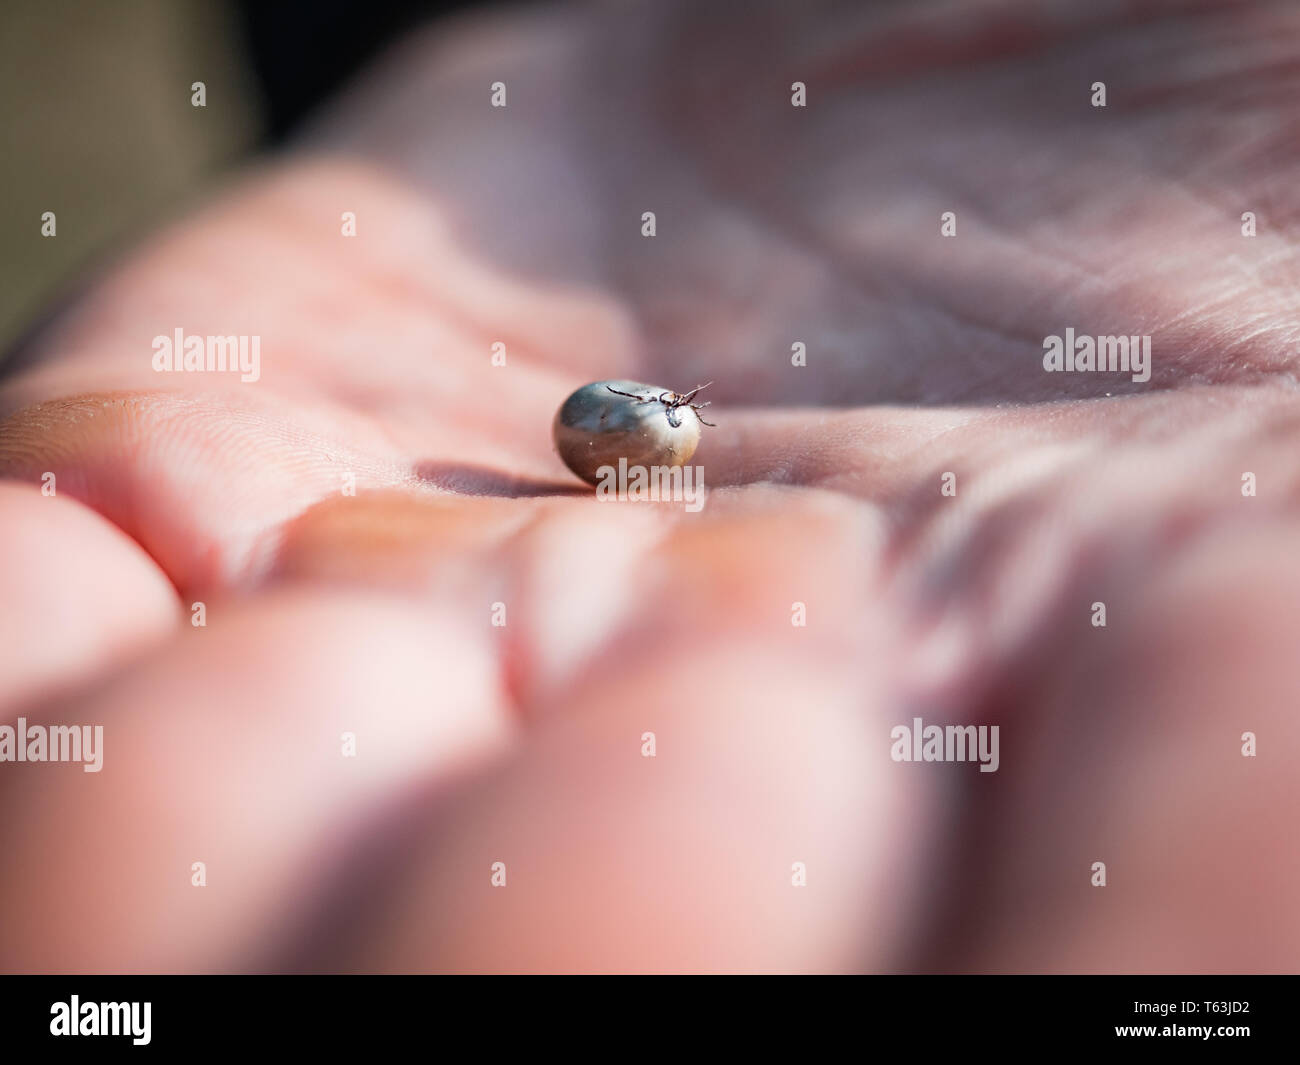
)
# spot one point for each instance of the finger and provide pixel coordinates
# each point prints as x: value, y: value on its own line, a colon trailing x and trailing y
x: 230, y: 749
x: 1143, y: 810
x: 690, y: 860
x: 76, y: 595
x: 770, y: 755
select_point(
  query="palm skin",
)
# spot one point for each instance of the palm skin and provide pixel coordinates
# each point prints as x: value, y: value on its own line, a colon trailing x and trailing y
x: 522, y: 744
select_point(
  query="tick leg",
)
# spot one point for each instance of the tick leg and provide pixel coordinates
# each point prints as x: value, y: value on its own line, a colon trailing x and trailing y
x: 630, y: 395
x: 693, y: 393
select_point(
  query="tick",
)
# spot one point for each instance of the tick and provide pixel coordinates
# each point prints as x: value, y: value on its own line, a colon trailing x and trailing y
x: 608, y: 420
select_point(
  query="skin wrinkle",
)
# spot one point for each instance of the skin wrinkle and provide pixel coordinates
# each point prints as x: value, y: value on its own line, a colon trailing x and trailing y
x: 736, y: 179
x: 772, y: 219
x: 899, y: 40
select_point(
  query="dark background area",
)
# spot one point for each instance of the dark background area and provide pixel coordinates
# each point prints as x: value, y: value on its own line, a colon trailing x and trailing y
x: 303, y: 50
x: 97, y: 124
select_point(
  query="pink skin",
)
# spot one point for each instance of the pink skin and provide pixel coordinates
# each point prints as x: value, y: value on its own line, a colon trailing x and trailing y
x: 522, y: 744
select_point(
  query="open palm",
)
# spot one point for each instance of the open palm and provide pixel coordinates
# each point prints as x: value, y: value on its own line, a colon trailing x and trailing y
x: 371, y: 612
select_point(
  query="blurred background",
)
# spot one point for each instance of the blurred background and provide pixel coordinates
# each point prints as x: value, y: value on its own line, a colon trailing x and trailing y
x: 97, y: 124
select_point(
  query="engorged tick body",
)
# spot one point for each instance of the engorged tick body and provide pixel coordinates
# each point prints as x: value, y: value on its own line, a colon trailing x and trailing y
x: 608, y: 420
